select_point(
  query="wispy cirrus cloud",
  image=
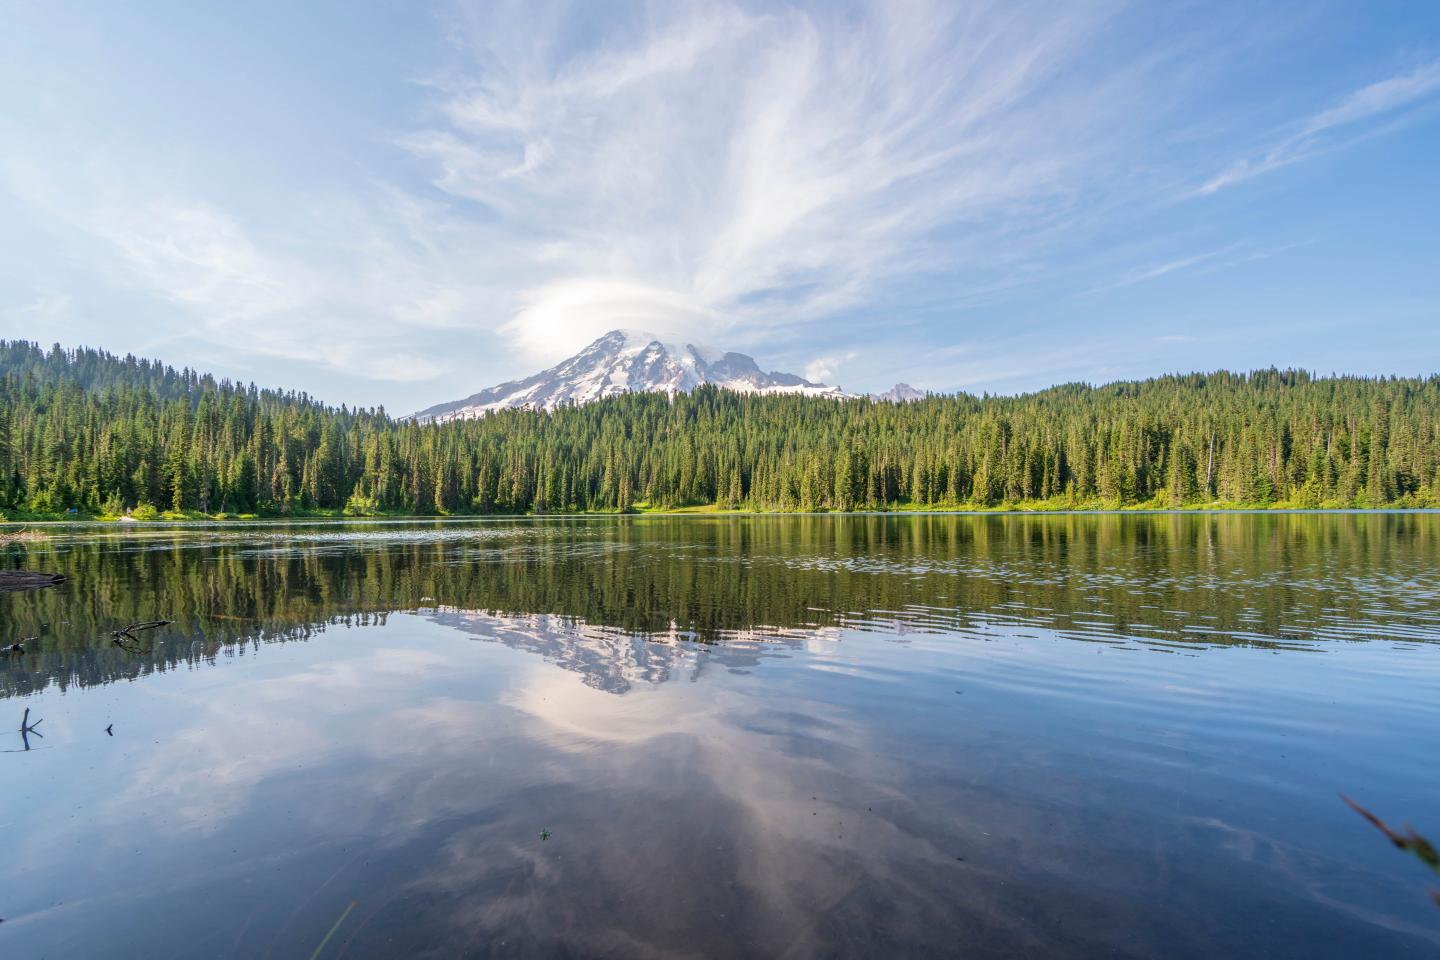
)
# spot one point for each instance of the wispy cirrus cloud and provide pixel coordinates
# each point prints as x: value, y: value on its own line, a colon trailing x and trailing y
x: 357, y: 287
x: 727, y: 168
x: 702, y: 171
x: 1142, y: 274
x: 1230, y: 255
x: 795, y: 179
x: 1336, y: 126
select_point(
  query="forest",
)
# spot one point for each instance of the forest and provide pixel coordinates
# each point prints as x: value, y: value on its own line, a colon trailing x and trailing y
x: 101, y: 435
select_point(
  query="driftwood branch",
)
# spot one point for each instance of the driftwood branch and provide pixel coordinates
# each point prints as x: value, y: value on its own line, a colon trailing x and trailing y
x: 26, y: 727
x: 1410, y: 841
x: 127, y: 634
x: 26, y: 580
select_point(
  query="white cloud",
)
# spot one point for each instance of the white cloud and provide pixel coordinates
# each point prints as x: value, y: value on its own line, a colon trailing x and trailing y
x: 1140, y: 275
x: 1318, y: 133
x: 566, y: 313
x: 764, y: 180
x: 345, y: 283
x: 264, y: 302
x: 719, y: 169
x: 195, y: 255
x: 1230, y: 255
x: 827, y: 369
x: 361, y: 281
x: 46, y: 311
x: 1377, y: 98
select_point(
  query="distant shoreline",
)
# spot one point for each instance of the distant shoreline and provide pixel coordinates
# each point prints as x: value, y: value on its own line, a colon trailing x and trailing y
x: 692, y: 513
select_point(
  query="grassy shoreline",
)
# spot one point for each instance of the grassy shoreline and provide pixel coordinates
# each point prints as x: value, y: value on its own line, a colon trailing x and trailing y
x: 642, y: 509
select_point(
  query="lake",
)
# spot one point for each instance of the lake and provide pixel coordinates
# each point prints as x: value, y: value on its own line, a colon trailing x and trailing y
x: 850, y: 736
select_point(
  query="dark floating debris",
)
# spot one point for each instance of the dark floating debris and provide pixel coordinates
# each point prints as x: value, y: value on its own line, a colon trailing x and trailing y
x: 18, y: 646
x: 110, y: 730
x: 544, y: 835
x: 28, y: 580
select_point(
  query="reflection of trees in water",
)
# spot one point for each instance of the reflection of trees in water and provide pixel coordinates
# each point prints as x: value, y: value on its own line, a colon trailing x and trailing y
x: 1268, y: 579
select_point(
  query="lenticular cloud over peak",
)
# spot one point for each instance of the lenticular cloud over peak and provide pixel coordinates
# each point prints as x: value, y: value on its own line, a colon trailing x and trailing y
x: 728, y: 168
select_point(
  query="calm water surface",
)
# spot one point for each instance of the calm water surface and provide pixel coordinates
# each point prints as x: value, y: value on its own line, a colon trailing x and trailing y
x: 1067, y: 736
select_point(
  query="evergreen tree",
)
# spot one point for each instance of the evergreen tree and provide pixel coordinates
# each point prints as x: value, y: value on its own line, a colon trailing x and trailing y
x: 83, y: 428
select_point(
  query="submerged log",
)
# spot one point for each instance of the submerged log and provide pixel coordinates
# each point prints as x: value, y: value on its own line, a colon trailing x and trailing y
x: 28, y: 580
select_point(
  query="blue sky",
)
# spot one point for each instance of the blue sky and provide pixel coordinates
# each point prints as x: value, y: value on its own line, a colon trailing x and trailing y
x: 400, y: 204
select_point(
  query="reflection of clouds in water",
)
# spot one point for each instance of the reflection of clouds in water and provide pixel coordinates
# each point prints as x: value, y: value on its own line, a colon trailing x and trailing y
x: 813, y: 807
x: 703, y: 820
x: 790, y: 813
x: 674, y: 787
x: 242, y: 732
x: 1317, y: 874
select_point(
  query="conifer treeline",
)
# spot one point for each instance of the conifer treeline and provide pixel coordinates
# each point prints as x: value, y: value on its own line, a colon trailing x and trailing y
x: 88, y: 430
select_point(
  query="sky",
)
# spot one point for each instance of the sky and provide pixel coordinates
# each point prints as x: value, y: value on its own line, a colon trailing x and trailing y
x: 394, y: 203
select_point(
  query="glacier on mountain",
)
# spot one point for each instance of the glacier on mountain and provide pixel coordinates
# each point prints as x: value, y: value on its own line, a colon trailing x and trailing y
x: 624, y: 361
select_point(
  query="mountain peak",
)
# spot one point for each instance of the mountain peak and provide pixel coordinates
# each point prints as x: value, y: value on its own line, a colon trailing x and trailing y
x: 637, y: 341
x: 627, y: 361
x: 900, y: 393
x: 625, y: 339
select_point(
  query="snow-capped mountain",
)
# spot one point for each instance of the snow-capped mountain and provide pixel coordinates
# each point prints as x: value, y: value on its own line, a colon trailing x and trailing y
x: 625, y: 361
x: 900, y: 393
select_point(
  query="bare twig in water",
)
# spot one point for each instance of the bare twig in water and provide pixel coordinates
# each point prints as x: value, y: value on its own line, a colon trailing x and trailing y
x: 321, y: 948
x: 127, y: 634
x: 27, y: 728
x: 1409, y: 841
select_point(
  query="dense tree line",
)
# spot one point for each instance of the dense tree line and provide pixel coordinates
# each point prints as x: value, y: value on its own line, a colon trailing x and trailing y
x: 88, y: 430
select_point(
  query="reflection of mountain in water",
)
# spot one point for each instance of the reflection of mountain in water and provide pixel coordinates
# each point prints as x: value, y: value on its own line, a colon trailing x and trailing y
x: 596, y: 595
x: 615, y: 660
